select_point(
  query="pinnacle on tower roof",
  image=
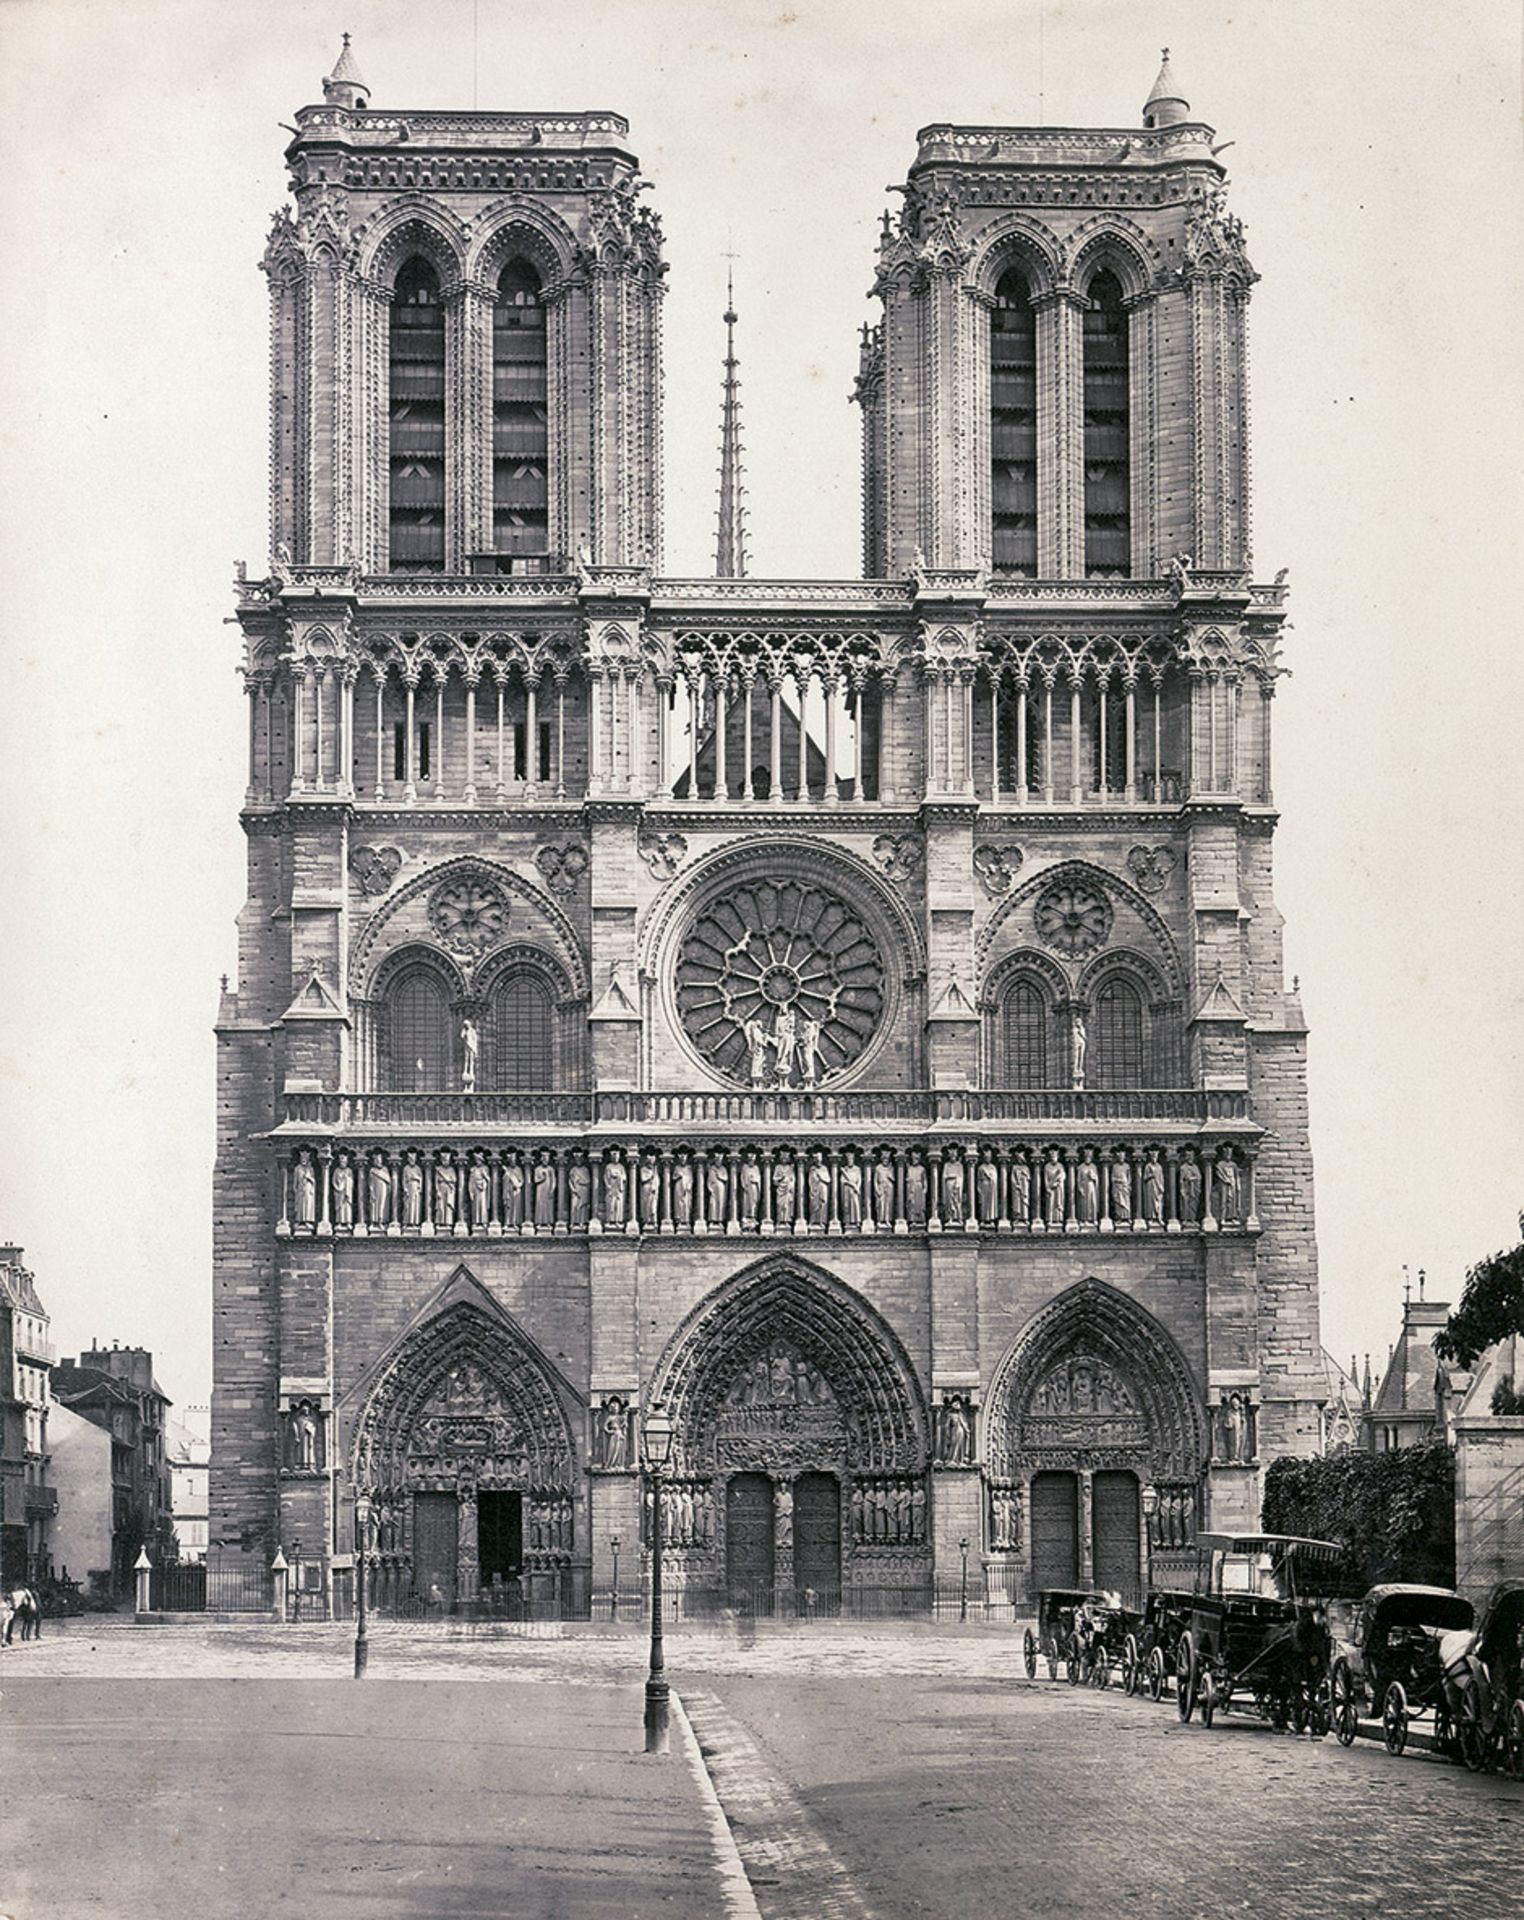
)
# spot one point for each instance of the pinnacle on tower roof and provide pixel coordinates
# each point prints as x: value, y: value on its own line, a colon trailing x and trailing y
x: 345, y: 86
x: 730, y: 545
x: 1166, y: 106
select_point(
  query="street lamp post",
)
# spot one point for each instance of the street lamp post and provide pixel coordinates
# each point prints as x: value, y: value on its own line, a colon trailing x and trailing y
x: 656, y: 1442
x: 614, y: 1583
x: 362, y: 1533
x: 296, y: 1579
x: 280, y: 1586
x: 963, y: 1582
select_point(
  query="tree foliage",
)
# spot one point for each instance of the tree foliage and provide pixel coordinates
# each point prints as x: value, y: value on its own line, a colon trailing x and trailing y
x: 1491, y: 1308
x: 1393, y: 1513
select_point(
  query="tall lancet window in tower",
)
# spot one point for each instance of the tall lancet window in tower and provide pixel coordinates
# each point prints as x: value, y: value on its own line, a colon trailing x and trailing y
x: 520, y: 424
x: 1108, y: 542
x: 417, y: 422
x: 1013, y: 429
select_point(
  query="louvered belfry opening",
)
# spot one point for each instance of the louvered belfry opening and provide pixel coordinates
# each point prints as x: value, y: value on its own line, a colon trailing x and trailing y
x: 417, y: 418
x: 1108, y: 531
x: 1013, y: 429
x: 520, y: 421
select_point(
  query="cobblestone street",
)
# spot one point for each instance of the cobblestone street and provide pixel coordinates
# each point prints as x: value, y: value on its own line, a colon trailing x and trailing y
x: 865, y: 1776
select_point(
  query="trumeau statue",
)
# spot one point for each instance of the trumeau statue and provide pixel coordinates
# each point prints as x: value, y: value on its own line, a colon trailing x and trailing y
x: 470, y: 1054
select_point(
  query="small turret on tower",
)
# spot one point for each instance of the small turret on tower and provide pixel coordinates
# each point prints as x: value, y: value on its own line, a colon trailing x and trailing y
x: 730, y: 545
x: 345, y: 86
x: 1166, y: 106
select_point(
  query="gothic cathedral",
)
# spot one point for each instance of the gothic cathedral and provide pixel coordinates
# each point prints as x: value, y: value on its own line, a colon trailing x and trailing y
x: 846, y: 1014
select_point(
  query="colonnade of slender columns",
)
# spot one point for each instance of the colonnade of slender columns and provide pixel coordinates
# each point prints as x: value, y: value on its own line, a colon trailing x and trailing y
x: 721, y: 717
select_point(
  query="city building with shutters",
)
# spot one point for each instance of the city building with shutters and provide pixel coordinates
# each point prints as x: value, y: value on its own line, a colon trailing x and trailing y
x: 848, y: 1012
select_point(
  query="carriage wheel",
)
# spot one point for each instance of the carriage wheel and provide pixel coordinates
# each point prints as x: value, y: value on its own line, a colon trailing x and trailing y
x: 1073, y: 1664
x: 1156, y: 1673
x: 1186, y: 1678
x: 1472, y: 1735
x: 1132, y: 1665
x: 1208, y: 1699
x: 1346, y: 1712
x: 1516, y: 1740
x: 1029, y: 1653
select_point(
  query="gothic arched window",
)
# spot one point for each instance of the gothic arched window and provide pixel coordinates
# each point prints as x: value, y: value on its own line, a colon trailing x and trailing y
x: 417, y: 418
x: 522, y: 1036
x: 1117, y: 1050
x: 520, y: 423
x: 1024, y: 1035
x: 418, y: 1034
x: 1108, y: 531
x: 1013, y: 429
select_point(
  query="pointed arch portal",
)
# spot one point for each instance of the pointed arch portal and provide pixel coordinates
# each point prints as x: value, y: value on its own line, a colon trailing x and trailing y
x: 465, y: 1450
x: 800, y: 1455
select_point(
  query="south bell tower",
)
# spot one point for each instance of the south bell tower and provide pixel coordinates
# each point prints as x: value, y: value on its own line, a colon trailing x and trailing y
x: 851, y: 1012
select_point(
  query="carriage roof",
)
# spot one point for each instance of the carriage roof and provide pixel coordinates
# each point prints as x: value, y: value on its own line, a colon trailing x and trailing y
x: 1413, y: 1606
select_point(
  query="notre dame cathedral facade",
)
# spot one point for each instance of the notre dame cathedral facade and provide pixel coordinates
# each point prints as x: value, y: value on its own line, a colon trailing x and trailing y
x: 848, y: 1013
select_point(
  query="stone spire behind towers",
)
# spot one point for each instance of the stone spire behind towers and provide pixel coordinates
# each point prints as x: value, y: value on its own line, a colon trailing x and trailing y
x: 730, y: 545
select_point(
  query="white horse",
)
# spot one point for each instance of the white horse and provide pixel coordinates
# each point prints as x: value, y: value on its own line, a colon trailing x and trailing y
x: 21, y: 1603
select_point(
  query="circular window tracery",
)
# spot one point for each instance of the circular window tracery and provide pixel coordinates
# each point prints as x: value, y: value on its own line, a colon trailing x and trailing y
x: 1073, y: 918
x: 779, y: 984
x: 469, y: 914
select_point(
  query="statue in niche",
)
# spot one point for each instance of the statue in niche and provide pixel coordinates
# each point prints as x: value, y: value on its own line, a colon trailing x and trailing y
x: 544, y: 1193
x: 955, y: 1432
x: 1054, y: 1187
x: 304, y: 1191
x: 1077, y: 1047
x: 1226, y: 1173
x: 614, y: 1190
x: 857, y: 1512
x: 1087, y: 1189
x: 716, y: 1185
x: 303, y: 1445
x: 987, y: 1190
x: 513, y: 1192
x: 579, y: 1187
x: 809, y: 1050
x: 1020, y: 1179
x: 615, y: 1433
x: 378, y: 1194
x: 444, y: 1192
x: 883, y: 1190
x: 682, y: 1193
x: 1153, y: 1189
x: 1190, y: 1192
x: 479, y: 1192
x: 849, y: 1186
x: 343, y: 1186
x: 1121, y: 1191
x: 915, y: 1192
x: 954, y: 1211
x: 412, y: 1191
x: 470, y: 1054
x: 648, y: 1190
x: 820, y: 1191
x: 758, y: 1040
x: 783, y: 1192
x: 918, y: 1513
x: 784, y: 1516
x: 1236, y: 1414
x: 751, y: 1189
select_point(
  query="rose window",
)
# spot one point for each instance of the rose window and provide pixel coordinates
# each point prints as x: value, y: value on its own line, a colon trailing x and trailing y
x: 469, y: 915
x: 779, y: 986
x: 1073, y: 919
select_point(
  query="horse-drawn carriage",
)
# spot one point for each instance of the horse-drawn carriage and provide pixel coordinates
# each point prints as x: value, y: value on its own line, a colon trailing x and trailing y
x: 1150, y: 1647
x: 1260, y: 1629
x: 1081, y: 1627
x: 1483, y: 1678
x: 1390, y: 1663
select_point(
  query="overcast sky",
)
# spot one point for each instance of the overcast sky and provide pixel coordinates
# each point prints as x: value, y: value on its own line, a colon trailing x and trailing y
x: 1377, y: 168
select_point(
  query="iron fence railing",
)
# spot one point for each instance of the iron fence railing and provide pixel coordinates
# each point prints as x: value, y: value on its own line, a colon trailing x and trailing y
x: 202, y: 1589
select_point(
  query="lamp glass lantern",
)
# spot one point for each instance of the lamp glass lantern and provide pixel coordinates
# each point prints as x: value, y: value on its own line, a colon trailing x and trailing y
x: 656, y: 1438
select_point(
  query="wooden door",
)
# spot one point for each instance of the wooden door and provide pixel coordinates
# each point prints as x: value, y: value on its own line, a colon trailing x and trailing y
x: 817, y: 1539
x: 436, y: 1538
x: 749, y: 1541
x: 1055, y: 1530
x: 1114, y: 1535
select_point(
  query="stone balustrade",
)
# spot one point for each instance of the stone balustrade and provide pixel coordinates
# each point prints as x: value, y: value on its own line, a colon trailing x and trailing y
x: 957, y: 1186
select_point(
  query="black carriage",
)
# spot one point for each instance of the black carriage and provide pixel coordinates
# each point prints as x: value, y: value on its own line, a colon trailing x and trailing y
x: 1390, y: 1663
x: 1484, y: 1683
x: 1149, y: 1650
x: 1082, y: 1628
x: 1260, y: 1630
